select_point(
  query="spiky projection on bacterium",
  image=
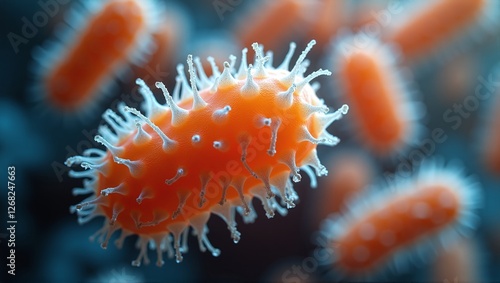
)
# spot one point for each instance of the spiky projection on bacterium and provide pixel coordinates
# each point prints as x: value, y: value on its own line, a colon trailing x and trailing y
x: 218, y: 142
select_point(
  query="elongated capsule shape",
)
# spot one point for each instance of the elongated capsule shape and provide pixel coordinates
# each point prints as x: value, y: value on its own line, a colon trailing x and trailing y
x: 412, y: 215
x: 99, y: 42
x: 384, y: 115
x: 432, y: 25
x: 218, y: 143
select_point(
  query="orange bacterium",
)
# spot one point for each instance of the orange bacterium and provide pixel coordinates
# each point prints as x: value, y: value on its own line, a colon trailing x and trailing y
x: 406, y: 219
x: 372, y: 84
x: 219, y: 142
x: 99, y: 41
x: 434, y: 24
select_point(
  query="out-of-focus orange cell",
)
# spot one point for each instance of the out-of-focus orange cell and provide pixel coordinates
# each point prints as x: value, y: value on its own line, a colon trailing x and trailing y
x: 103, y: 46
x: 404, y: 220
x: 99, y: 42
x: 434, y: 24
x: 457, y: 263
x: 273, y: 23
x: 491, y: 138
x: 372, y: 85
x: 350, y: 173
x: 412, y: 215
